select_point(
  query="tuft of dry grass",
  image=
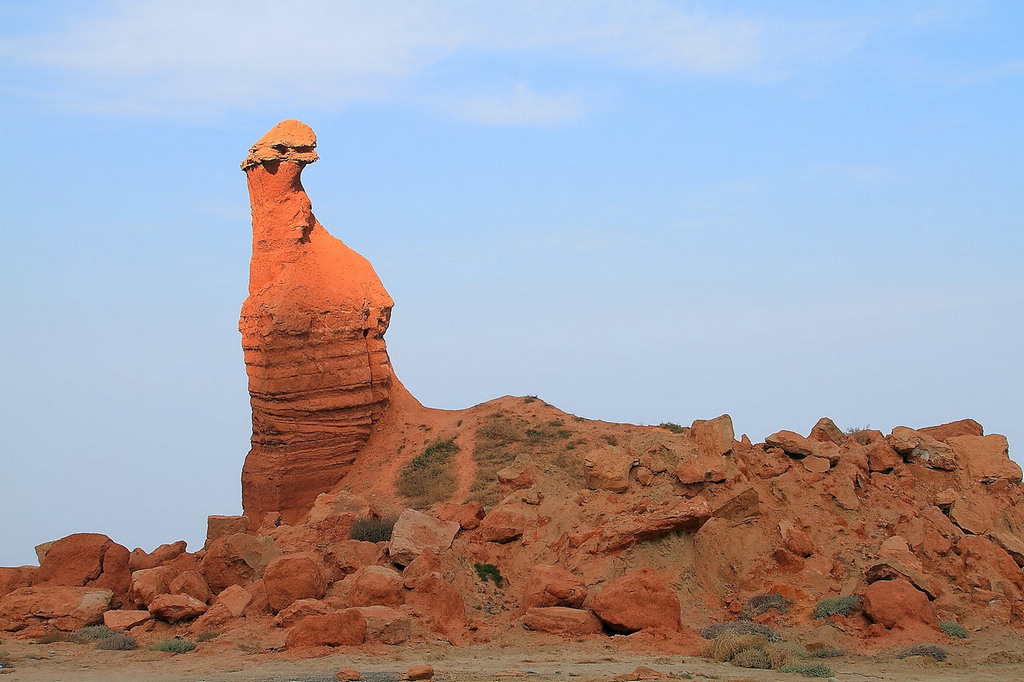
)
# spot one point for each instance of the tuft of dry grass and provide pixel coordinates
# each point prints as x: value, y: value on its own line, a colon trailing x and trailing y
x: 497, y: 442
x: 430, y: 477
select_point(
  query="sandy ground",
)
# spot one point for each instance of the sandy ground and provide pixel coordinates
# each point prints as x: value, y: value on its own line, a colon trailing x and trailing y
x: 995, y: 657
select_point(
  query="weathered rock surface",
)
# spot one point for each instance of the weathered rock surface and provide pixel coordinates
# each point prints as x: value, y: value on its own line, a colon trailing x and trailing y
x: 56, y: 606
x: 175, y: 608
x: 377, y: 586
x: 344, y: 628
x: 639, y: 600
x: 386, y: 625
x: 313, y: 335
x: 294, y: 576
x: 560, y: 620
x: 553, y: 586
x: 237, y: 559
x: 86, y: 560
x: 125, y: 619
x: 415, y: 532
x: 892, y: 603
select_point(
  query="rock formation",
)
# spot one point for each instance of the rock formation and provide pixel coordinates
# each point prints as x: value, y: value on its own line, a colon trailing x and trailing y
x: 313, y: 335
x: 553, y: 524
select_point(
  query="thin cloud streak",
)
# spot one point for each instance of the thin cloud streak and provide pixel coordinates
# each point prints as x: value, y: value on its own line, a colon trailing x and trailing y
x: 188, y: 56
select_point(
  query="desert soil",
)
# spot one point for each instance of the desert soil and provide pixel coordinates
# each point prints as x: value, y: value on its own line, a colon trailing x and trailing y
x: 986, y: 657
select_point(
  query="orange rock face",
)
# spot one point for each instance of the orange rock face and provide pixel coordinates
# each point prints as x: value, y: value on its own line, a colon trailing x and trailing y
x: 313, y: 335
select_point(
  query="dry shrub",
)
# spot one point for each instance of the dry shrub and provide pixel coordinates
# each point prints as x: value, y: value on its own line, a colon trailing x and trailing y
x: 724, y: 647
x: 753, y: 658
x: 762, y: 603
x: 785, y: 653
x: 743, y: 627
x: 119, y: 641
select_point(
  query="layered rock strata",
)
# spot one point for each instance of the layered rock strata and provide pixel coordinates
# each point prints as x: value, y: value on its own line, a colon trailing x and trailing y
x: 313, y: 334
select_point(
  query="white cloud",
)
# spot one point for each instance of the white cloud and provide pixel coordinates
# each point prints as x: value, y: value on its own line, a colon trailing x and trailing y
x: 201, y: 56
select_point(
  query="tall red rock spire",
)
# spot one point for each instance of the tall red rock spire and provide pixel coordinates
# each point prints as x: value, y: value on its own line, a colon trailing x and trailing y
x: 313, y: 335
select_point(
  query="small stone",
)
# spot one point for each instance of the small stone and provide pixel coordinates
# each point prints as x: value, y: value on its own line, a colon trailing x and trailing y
x: 419, y: 672
x: 347, y: 675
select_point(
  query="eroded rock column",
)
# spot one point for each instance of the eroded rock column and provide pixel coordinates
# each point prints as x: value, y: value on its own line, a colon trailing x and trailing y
x: 313, y: 334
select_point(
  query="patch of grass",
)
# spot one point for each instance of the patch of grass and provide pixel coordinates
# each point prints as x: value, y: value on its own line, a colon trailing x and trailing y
x: 207, y: 635
x: 808, y: 669
x: 610, y: 439
x: 429, y: 478
x: 741, y: 628
x: 727, y: 645
x: 489, y: 572
x: 498, y: 440
x: 832, y: 606
x: 933, y: 650
x: 762, y: 604
x: 373, y: 530
x: 174, y: 646
x: 119, y: 641
x: 6, y: 662
x: 828, y: 652
x: 95, y: 632
x: 530, y: 399
x: 953, y: 629
x: 673, y: 427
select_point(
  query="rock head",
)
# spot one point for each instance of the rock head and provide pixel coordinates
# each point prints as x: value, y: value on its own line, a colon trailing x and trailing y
x: 313, y: 334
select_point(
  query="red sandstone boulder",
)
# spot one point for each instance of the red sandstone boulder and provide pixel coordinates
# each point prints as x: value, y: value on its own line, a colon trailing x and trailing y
x: 86, y: 560
x: 415, y: 531
x: 377, y: 586
x: 191, y: 583
x: 235, y: 598
x: 54, y: 606
x: 713, y: 437
x: 964, y: 427
x: 140, y: 559
x: 1011, y: 544
x: 301, y: 609
x: 966, y: 516
x: 920, y: 448
x: 438, y: 604
x: 882, y: 457
x: 892, y: 603
x: 216, y: 617
x: 507, y: 521
x: 793, y: 444
x: 419, y: 672
x: 125, y: 620
x: 386, y: 625
x: 15, y: 577
x: 294, y: 576
x: 553, y: 586
x: 341, y: 502
x: 150, y: 582
x: 675, y: 514
x: 344, y: 628
x: 175, y: 608
x: 608, y: 467
x: 237, y: 560
x: 467, y: 515
x: 987, y: 458
x: 558, y: 620
x: 348, y: 556
x: 825, y: 430
x: 639, y: 600
x: 990, y: 567
x: 222, y: 526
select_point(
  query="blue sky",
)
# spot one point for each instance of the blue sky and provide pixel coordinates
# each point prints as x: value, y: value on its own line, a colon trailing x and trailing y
x: 641, y: 212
